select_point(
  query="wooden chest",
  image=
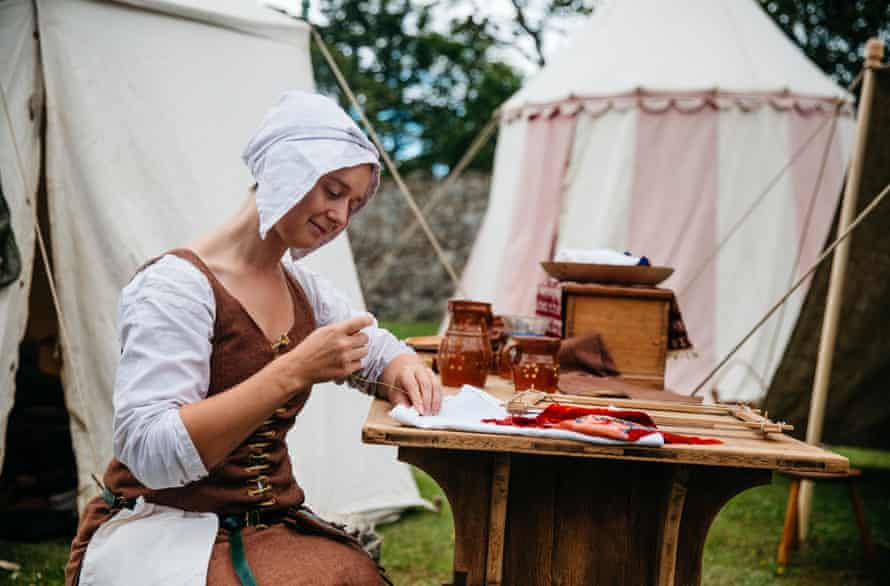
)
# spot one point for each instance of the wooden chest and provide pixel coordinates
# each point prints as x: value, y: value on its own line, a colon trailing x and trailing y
x: 632, y: 321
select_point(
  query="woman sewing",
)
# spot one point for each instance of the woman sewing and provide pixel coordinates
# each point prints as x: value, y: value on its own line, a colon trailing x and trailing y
x: 221, y: 342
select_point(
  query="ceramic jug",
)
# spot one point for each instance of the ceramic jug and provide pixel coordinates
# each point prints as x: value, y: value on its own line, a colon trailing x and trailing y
x: 535, y: 363
x: 465, y: 354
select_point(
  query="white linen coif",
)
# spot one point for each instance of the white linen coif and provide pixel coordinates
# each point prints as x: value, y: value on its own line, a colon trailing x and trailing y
x: 303, y: 137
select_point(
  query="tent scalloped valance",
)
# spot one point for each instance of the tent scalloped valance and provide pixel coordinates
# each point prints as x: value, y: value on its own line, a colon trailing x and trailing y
x: 655, y: 103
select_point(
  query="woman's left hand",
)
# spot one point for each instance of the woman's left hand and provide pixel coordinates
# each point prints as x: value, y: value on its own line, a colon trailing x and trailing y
x: 410, y: 382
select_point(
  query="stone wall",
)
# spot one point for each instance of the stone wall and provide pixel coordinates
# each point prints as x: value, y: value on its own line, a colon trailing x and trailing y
x: 414, y: 285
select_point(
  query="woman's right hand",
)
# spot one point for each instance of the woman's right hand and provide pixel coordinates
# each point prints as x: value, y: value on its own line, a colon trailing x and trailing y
x: 331, y: 352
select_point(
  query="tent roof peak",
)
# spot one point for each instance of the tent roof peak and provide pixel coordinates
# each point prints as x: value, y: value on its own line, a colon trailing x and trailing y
x: 680, y: 46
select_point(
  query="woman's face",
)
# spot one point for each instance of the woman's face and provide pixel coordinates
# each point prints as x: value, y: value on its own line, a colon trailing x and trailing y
x: 325, y: 210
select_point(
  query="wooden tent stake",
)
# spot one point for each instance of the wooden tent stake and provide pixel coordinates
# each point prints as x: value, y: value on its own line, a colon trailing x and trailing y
x: 874, y: 54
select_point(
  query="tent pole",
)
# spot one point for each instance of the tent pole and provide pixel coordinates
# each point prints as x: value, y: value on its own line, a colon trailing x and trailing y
x: 874, y: 54
x: 390, y: 164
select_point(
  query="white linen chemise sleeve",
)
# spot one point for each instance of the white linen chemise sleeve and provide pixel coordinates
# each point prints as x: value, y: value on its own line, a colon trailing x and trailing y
x: 331, y: 306
x: 165, y: 321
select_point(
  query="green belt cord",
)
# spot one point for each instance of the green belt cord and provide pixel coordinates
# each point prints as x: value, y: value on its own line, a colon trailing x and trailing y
x: 236, y: 549
x: 233, y: 523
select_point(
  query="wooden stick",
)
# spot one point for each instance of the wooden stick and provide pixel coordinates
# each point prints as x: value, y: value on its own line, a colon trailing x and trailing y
x: 748, y: 415
x: 633, y: 403
x: 765, y: 426
x: 874, y: 53
x: 497, y: 524
x: 707, y: 416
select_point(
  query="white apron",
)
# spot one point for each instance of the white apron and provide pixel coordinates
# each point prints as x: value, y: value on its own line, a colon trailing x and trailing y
x: 150, y: 545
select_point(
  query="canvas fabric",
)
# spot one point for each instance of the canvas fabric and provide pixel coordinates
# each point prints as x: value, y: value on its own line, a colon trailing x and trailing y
x: 142, y: 155
x: 682, y: 159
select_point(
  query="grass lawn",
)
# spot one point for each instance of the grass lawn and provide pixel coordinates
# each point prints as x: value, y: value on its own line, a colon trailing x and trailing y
x: 405, y: 329
x: 740, y: 549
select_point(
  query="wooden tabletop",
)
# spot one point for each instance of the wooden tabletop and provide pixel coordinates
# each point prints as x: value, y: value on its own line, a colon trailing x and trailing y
x: 741, y: 448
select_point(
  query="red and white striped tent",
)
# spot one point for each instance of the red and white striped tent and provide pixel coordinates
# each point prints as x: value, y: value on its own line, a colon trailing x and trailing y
x: 693, y: 132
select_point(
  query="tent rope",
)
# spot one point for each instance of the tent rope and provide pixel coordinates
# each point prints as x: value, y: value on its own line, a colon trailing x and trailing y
x: 390, y: 165
x: 817, y: 186
x: 441, y: 191
x: 864, y: 214
x: 856, y: 81
x: 839, y: 103
x: 44, y: 255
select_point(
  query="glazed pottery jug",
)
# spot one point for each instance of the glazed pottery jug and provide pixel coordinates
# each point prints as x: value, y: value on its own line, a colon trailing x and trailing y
x: 465, y: 352
x: 535, y: 363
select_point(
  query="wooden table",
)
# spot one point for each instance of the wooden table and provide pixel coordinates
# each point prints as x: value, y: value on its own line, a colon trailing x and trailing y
x: 533, y: 511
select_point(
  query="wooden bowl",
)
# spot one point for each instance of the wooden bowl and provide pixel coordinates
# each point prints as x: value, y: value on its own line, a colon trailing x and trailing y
x: 581, y: 272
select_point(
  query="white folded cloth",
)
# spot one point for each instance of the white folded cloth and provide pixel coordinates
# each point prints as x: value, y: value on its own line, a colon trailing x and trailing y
x: 466, y: 410
x: 602, y: 256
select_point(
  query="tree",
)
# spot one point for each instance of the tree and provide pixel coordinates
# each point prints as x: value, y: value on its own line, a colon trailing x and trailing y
x: 428, y: 92
x: 535, y: 20
x: 832, y: 32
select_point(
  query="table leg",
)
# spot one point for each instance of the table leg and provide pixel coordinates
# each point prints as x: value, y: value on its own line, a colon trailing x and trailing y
x: 710, y: 488
x: 500, y: 484
x: 466, y: 479
x: 576, y: 521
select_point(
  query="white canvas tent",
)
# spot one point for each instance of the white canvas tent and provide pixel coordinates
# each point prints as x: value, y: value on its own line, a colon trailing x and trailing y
x: 148, y: 105
x: 657, y: 130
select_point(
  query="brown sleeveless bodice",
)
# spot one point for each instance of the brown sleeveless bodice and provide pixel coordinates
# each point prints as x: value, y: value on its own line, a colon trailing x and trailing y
x: 257, y: 475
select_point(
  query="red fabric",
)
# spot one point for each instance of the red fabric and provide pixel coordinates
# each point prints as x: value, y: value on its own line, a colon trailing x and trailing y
x: 555, y: 413
x: 637, y: 423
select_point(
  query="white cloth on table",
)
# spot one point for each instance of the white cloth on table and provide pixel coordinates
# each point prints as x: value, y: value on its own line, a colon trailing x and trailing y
x: 466, y: 410
x: 603, y: 256
x: 166, y: 318
x: 150, y: 545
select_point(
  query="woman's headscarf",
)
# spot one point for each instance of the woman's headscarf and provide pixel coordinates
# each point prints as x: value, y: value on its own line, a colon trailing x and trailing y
x: 303, y: 137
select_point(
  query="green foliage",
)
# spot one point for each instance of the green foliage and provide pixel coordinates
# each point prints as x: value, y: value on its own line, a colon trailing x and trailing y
x: 42, y: 564
x: 533, y: 24
x: 832, y: 32
x: 427, y: 91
